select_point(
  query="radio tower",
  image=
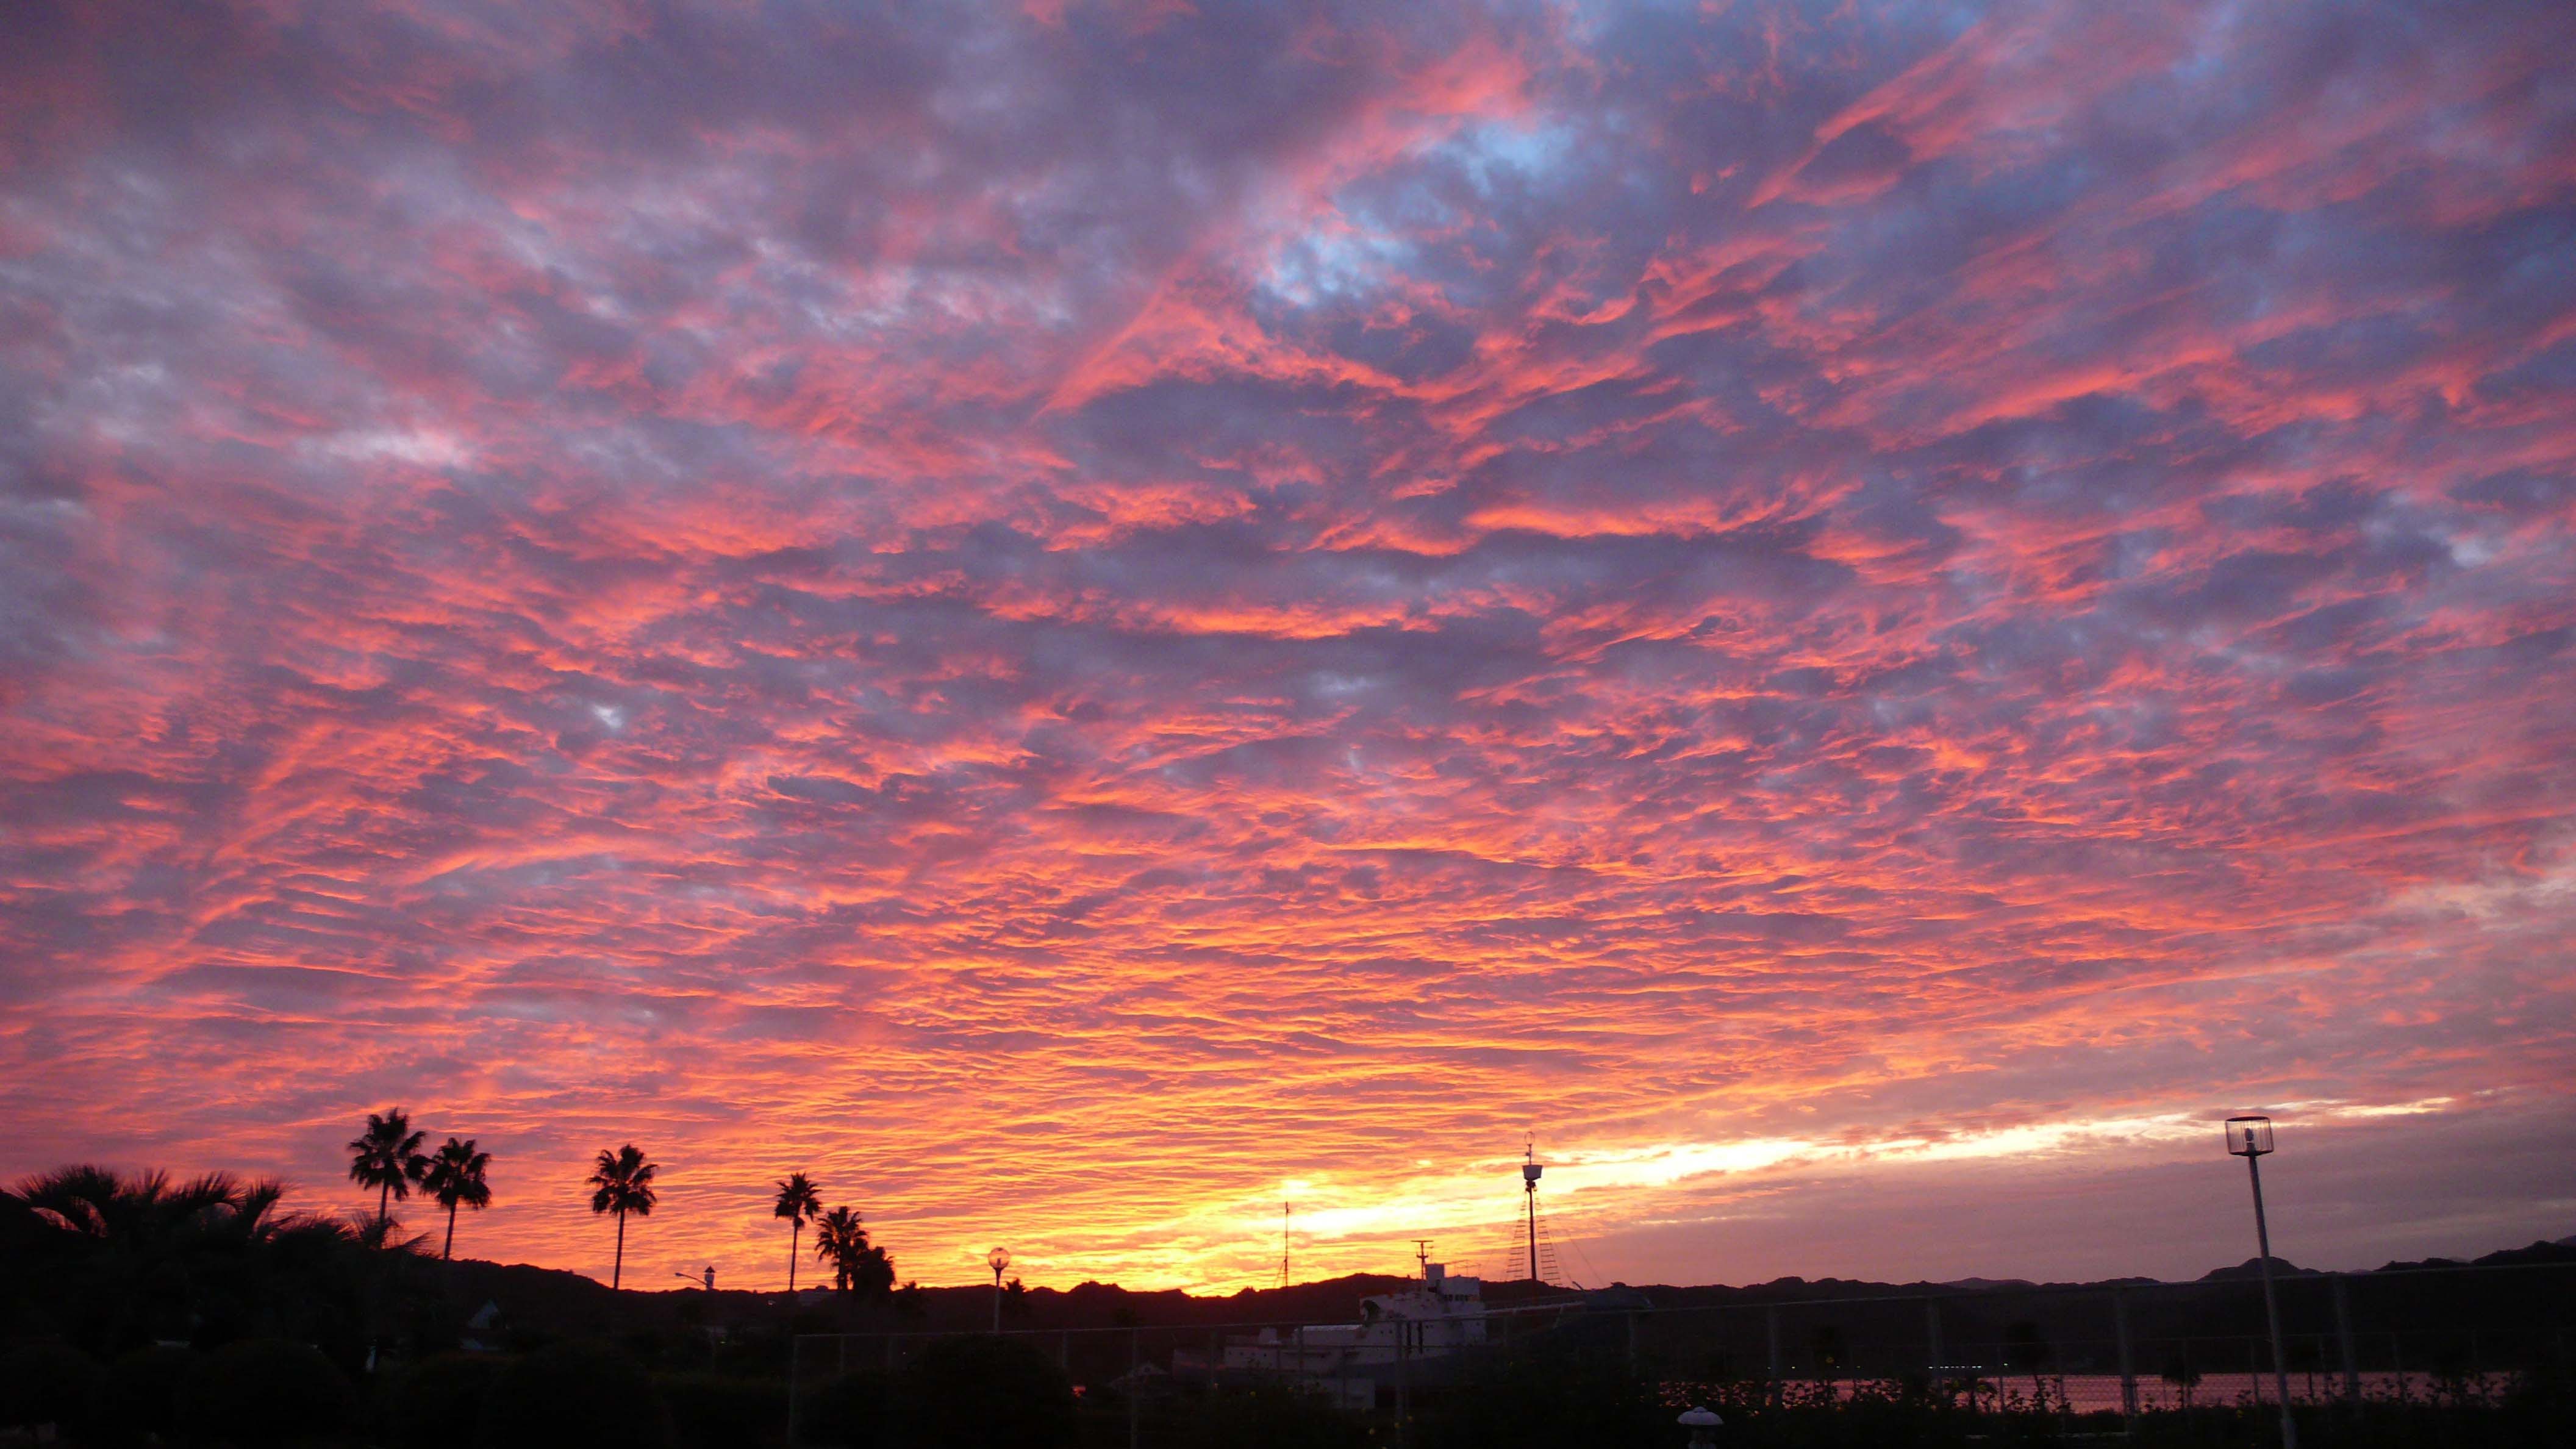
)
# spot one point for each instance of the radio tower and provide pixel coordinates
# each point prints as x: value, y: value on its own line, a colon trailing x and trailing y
x: 1283, y: 1244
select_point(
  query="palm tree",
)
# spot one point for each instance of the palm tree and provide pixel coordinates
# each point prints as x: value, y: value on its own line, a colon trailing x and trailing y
x: 858, y: 1266
x: 455, y: 1177
x: 387, y: 1158
x: 622, y: 1183
x: 120, y: 1258
x: 798, y: 1201
x: 839, y: 1238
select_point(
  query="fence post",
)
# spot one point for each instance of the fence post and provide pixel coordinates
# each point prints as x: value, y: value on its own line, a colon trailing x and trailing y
x: 2343, y: 1331
x: 1771, y: 1328
x: 795, y: 1358
x: 2128, y: 1368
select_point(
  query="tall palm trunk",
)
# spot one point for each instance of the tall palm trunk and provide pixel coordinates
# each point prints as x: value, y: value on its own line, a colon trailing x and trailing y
x: 450, y: 1250
x: 617, y: 1274
x: 795, y: 1231
x: 384, y: 1199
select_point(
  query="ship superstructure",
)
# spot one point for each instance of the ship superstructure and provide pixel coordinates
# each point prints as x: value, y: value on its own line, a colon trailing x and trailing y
x: 1398, y: 1333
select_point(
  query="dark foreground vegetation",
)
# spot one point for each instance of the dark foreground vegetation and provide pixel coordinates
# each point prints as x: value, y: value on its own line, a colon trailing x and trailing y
x: 144, y: 1310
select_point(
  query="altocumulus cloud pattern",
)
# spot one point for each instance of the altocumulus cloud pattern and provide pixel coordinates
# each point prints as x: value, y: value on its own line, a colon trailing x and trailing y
x: 1060, y: 614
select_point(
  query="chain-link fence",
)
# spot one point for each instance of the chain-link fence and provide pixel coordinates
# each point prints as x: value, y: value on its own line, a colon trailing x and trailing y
x: 2100, y: 1357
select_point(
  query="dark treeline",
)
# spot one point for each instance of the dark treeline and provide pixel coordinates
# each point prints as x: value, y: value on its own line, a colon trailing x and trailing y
x: 140, y: 1309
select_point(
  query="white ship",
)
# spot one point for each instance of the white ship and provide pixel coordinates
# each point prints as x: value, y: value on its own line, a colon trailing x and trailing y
x: 1398, y: 1333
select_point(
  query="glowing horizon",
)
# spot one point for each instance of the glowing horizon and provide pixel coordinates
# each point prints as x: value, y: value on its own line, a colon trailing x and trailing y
x: 1071, y: 618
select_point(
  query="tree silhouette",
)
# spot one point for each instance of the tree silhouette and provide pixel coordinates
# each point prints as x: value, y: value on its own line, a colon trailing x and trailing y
x: 387, y: 1158
x: 455, y: 1178
x: 622, y: 1183
x: 799, y: 1201
x: 118, y: 1259
x: 858, y: 1266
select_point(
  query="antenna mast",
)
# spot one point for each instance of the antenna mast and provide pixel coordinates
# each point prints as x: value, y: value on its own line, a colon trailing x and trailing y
x: 1529, y: 1187
x: 1283, y: 1244
x: 1422, y: 1256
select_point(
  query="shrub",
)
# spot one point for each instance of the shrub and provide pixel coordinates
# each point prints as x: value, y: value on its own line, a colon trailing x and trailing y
x: 988, y: 1393
x: 1571, y: 1397
x: 1272, y: 1418
x: 852, y: 1411
x: 576, y: 1393
x: 266, y: 1391
x: 44, y: 1382
x: 720, y: 1411
x: 437, y: 1399
x: 144, y: 1392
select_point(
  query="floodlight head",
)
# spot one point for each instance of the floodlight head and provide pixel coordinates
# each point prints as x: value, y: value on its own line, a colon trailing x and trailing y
x: 997, y: 1260
x: 2249, y: 1136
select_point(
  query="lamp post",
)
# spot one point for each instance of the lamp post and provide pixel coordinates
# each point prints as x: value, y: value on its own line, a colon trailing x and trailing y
x: 997, y: 1260
x: 2251, y: 1137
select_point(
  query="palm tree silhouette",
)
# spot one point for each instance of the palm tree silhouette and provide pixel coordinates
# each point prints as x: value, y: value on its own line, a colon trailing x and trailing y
x: 798, y: 1201
x: 387, y: 1158
x: 841, y: 1239
x: 455, y: 1178
x: 147, y: 1255
x: 838, y: 1240
x: 622, y: 1183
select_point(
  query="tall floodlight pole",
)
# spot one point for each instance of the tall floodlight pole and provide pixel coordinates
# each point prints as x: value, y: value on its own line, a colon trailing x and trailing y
x: 997, y: 1260
x: 2250, y: 1138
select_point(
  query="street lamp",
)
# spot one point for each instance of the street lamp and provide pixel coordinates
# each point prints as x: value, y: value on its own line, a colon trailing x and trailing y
x: 997, y: 1260
x: 2251, y: 1137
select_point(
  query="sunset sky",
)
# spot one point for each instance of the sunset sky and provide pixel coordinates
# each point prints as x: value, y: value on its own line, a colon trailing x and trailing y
x: 1080, y: 617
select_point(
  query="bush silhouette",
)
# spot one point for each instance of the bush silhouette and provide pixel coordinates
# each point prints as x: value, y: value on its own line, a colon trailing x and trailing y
x: 984, y: 1392
x: 428, y: 1403
x: 44, y: 1382
x: 1273, y: 1418
x: 723, y: 1411
x: 576, y: 1393
x: 1566, y: 1397
x: 266, y: 1391
x: 853, y: 1411
x: 144, y: 1393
